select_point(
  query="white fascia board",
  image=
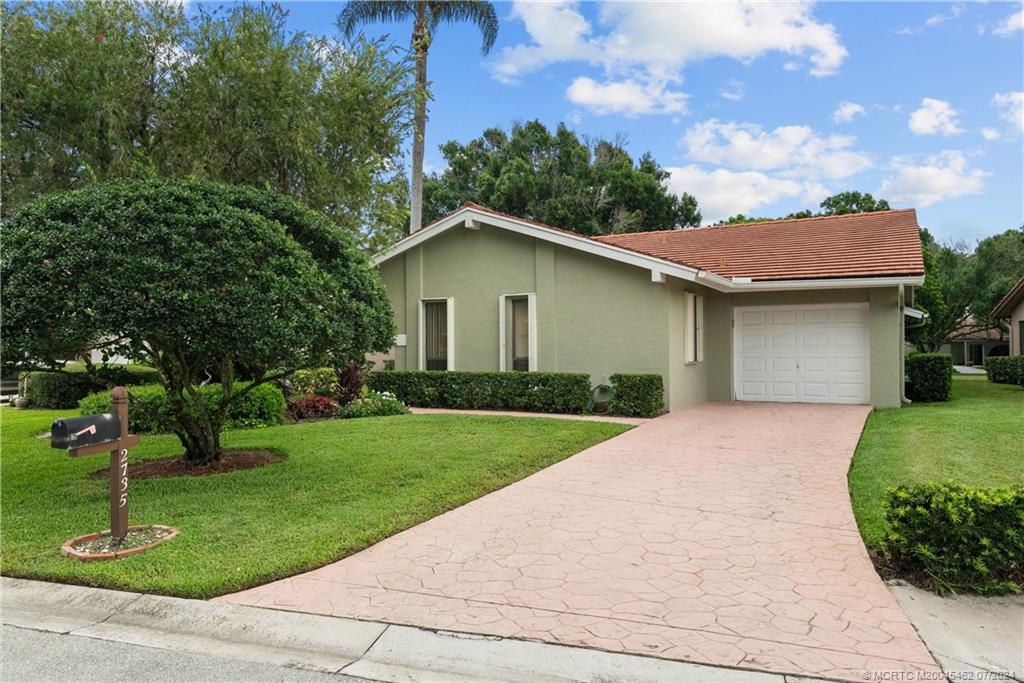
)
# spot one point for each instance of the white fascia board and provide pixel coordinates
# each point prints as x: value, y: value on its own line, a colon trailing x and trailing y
x: 558, y: 237
x: 825, y: 283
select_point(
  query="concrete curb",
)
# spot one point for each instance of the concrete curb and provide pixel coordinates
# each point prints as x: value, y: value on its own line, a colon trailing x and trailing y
x: 364, y: 649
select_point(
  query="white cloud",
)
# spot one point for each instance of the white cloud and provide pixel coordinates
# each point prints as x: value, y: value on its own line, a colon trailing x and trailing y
x: 1010, y: 25
x: 794, y: 150
x: 934, y: 116
x: 990, y: 133
x: 1011, y: 105
x: 648, y: 44
x: 936, y: 19
x: 946, y: 175
x: 733, y: 90
x: 560, y: 33
x: 846, y: 111
x: 627, y: 97
x: 954, y: 12
x: 722, y: 193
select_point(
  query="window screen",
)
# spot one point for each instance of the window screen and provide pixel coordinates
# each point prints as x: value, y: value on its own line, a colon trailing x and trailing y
x: 520, y: 333
x: 435, y: 332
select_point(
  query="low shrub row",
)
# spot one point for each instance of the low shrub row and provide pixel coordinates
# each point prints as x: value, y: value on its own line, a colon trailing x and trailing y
x: 956, y: 537
x: 1005, y: 369
x: 263, y: 406
x: 369, y: 404
x: 930, y: 376
x: 542, y: 392
x: 65, y: 389
x: 637, y: 395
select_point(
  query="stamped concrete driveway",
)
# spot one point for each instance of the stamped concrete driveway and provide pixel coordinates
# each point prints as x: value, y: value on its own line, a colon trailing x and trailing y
x: 720, y: 534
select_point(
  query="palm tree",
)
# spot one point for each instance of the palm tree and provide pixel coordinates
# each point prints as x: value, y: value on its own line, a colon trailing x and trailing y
x: 427, y: 15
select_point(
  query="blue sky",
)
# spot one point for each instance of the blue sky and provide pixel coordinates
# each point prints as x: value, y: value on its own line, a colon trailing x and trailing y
x: 763, y: 108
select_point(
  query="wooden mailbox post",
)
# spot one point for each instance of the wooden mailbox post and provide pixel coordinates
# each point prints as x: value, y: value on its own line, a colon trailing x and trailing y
x: 92, y: 434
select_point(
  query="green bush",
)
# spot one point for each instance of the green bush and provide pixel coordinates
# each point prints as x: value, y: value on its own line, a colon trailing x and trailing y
x: 66, y: 389
x: 542, y: 392
x: 957, y: 537
x: 373, y: 404
x: 1005, y: 369
x: 263, y: 406
x: 930, y: 375
x: 637, y: 395
x: 319, y: 381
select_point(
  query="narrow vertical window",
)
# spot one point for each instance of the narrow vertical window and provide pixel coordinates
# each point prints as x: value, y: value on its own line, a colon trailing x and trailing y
x: 519, y: 331
x: 435, y: 333
x: 693, y: 339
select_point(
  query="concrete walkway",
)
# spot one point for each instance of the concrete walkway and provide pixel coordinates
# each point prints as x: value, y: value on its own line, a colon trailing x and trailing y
x: 969, y: 370
x: 974, y: 638
x: 518, y: 413
x: 720, y: 534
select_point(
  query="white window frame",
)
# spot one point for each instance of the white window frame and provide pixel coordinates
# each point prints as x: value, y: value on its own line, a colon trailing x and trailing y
x: 421, y: 350
x: 693, y: 328
x: 531, y: 315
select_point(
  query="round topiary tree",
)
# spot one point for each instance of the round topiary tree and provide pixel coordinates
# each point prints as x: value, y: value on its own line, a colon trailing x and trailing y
x: 199, y: 279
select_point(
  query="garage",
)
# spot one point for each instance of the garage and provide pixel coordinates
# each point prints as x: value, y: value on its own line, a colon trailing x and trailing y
x: 806, y: 354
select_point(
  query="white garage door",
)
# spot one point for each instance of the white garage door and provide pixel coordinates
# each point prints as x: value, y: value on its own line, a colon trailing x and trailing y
x: 809, y: 354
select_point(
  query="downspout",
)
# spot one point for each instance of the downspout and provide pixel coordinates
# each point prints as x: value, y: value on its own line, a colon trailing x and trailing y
x: 921, y: 323
x: 903, y: 350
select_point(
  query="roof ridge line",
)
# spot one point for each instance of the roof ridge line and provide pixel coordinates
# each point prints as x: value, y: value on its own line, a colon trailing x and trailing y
x: 768, y: 222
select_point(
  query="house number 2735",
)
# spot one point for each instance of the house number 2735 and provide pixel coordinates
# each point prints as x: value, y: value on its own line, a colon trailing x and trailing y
x: 124, y: 478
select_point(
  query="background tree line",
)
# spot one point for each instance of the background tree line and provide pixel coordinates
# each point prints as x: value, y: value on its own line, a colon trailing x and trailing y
x: 101, y: 90
x: 963, y: 285
x: 591, y: 186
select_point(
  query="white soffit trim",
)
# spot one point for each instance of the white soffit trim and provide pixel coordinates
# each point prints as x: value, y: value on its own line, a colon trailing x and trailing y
x: 706, y: 278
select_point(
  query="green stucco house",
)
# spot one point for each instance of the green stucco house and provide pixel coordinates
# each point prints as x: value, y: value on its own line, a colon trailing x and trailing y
x: 807, y: 310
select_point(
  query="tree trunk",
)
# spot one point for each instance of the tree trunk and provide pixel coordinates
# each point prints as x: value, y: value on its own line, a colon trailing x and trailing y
x: 420, y: 44
x: 199, y: 434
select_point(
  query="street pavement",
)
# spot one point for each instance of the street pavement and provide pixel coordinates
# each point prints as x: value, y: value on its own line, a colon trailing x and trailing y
x: 29, y: 656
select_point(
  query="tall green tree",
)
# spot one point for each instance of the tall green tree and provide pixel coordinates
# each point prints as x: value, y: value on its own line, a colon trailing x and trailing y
x: 426, y: 17
x: 851, y: 202
x: 594, y: 187
x: 835, y: 205
x: 99, y: 90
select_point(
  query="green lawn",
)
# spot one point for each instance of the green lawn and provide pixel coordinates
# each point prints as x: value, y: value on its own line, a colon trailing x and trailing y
x: 975, y: 438
x: 345, y: 485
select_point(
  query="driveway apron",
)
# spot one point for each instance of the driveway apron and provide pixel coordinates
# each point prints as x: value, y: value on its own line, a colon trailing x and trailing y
x: 719, y: 534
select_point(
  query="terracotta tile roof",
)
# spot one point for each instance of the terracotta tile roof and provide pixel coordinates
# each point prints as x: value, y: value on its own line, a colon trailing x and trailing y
x: 972, y: 330
x: 1006, y: 305
x: 881, y: 243
x: 854, y: 245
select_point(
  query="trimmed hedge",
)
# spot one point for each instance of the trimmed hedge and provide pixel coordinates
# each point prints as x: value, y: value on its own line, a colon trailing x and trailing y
x: 65, y: 389
x: 1005, y: 369
x: 265, y: 405
x: 542, y: 392
x: 930, y: 375
x: 957, y: 537
x: 637, y: 395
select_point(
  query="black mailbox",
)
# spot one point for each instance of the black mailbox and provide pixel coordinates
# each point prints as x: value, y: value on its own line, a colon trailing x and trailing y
x: 73, y: 432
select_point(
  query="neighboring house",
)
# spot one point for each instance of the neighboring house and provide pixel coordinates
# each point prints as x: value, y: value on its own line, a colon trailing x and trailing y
x: 973, y: 342
x: 1011, y: 308
x: 807, y: 310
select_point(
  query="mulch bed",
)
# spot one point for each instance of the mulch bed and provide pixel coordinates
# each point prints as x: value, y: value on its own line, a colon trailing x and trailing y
x: 233, y: 459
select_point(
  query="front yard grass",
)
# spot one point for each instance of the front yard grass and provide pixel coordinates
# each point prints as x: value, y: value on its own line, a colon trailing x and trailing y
x: 344, y: 485
x: 975, y: 438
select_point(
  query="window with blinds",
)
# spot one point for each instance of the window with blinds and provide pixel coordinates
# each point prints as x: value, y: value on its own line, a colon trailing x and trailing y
x: 435, y: 334
x: 519, y: 332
